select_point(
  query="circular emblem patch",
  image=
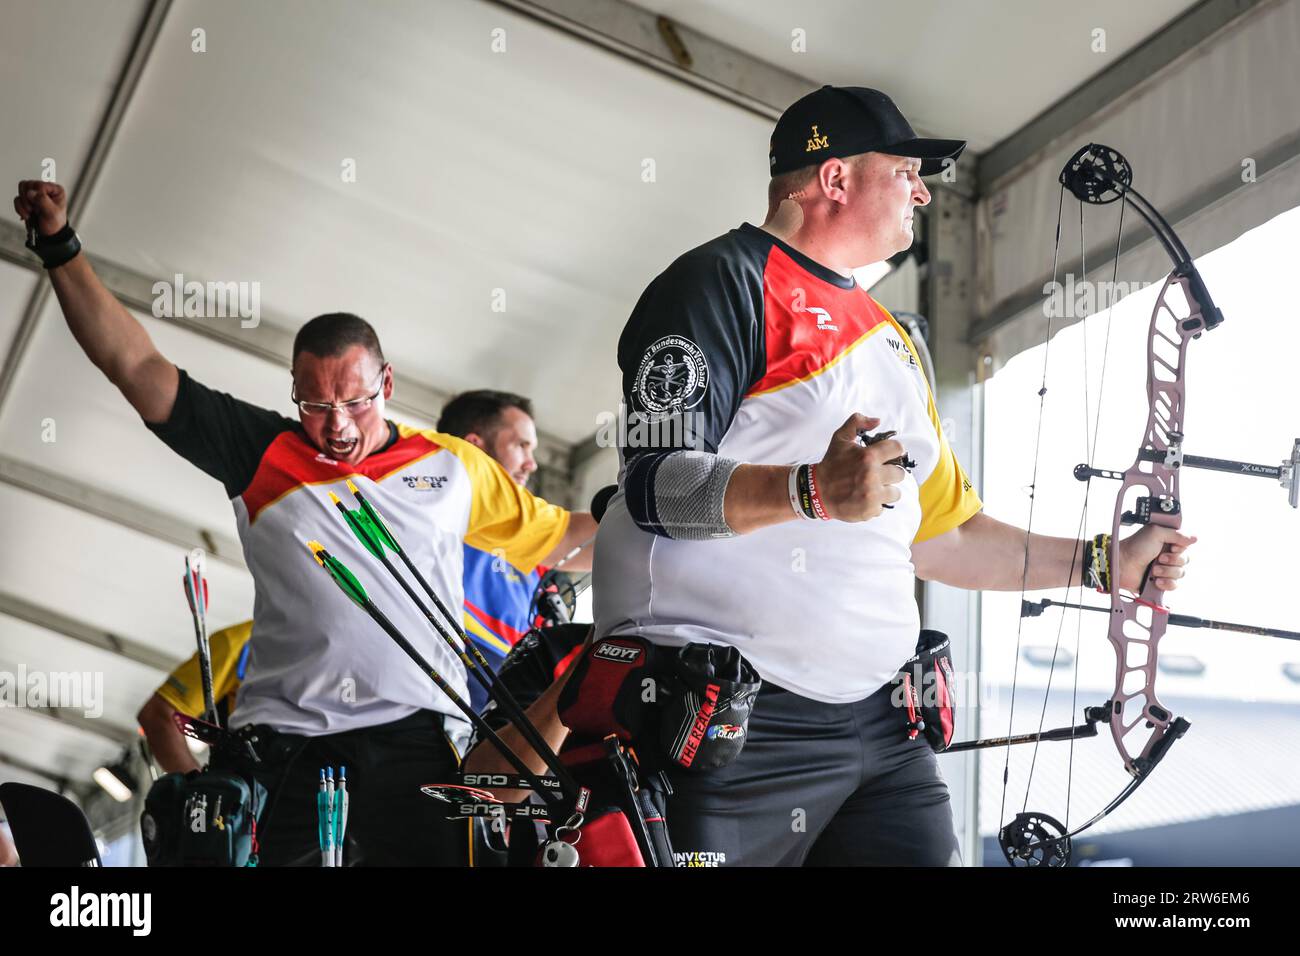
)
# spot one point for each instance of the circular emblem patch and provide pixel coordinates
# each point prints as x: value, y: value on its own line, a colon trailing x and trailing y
x: 672, y: 377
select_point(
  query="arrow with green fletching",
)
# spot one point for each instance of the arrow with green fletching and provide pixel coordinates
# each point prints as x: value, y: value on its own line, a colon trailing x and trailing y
x: 375, y: 536
x: 345, y: 579
x: 367, y: 525
x: 350, y: 586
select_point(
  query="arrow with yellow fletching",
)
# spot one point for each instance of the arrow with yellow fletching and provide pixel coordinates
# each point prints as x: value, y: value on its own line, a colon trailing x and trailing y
x: 344, y: 578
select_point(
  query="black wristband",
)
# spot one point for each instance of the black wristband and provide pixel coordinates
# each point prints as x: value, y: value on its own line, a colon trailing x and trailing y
x: 57, y: 249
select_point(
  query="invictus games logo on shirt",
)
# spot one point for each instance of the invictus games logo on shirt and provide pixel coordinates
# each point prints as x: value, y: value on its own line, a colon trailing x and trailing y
x: 424, y: 482
x: 902, y: 352
x: 817, y: 141
x: 672, y: 377
x: 699, y: 858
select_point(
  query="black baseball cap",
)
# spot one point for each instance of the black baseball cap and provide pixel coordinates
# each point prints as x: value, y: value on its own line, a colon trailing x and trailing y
x: 839, y: 121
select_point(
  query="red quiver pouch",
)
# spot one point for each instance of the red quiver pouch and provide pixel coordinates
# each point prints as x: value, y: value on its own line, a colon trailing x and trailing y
x: 611, y: 691
x: 924, y: 690
x: 607, y: 840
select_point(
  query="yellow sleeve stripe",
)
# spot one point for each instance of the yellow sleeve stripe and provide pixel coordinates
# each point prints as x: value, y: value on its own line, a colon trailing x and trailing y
x: 226, y: 646
x: 169, y: 694
x: 947, y: 498
x: 503, y: 515
x: 472, y: 626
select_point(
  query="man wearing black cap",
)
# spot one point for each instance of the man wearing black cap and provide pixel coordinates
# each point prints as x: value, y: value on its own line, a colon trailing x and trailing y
x: 737, y: 523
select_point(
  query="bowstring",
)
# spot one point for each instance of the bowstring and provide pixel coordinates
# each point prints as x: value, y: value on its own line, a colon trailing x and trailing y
x: 1033, y: 487
x: 1091, y: 429
x: 1074, y: 562
x: 1090, y: 437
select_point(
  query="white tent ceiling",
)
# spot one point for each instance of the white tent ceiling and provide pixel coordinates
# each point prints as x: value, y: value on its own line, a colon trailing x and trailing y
x: 1213, y: 142
x: 476, y: 171
x: 973, y: 71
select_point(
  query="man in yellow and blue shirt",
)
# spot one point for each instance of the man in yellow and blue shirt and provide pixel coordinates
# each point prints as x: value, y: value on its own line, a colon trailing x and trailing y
x: 498, y: 595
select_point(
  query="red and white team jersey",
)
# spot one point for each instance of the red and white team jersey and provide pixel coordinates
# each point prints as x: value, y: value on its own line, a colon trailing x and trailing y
x: 318, y: 664
x: 763, y: 353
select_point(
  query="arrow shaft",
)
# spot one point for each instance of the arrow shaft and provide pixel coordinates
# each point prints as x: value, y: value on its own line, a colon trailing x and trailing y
x: 1178, y: 620
x: 478, y: 666
x: 196, y: 592
x: 478, y: 722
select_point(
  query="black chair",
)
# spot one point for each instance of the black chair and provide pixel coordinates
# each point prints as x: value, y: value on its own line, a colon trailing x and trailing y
x: 48, y: 829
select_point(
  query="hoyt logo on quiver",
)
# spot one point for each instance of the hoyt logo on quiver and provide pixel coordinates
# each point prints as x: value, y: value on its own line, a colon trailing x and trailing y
x: 694, y: 700
x: 613, y: 690
x: 616, y: 652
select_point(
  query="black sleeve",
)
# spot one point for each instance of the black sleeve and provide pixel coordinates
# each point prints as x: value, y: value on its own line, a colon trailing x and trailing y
x: 220, y: 434
x: 691, y: 350
x: 529, y: 668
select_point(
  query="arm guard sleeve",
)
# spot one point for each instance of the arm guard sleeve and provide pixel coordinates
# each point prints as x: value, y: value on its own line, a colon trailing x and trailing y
x: 679, y: 494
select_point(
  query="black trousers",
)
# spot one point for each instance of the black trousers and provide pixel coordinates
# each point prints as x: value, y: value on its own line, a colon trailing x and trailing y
x: 817, y: 785
x: 390, y: 822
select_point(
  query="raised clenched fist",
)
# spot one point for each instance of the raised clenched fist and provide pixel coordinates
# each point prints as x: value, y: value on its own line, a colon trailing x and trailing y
x: 44, y: 204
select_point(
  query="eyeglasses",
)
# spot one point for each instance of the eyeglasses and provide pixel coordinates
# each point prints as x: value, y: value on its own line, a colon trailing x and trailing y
x: 351, y: 409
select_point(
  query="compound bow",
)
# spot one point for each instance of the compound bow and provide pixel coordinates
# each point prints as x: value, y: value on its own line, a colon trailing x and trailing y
x: 1142, y: 727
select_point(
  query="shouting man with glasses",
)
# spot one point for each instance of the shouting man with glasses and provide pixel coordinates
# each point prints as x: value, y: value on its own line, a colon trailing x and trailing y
x: 323, y: 686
